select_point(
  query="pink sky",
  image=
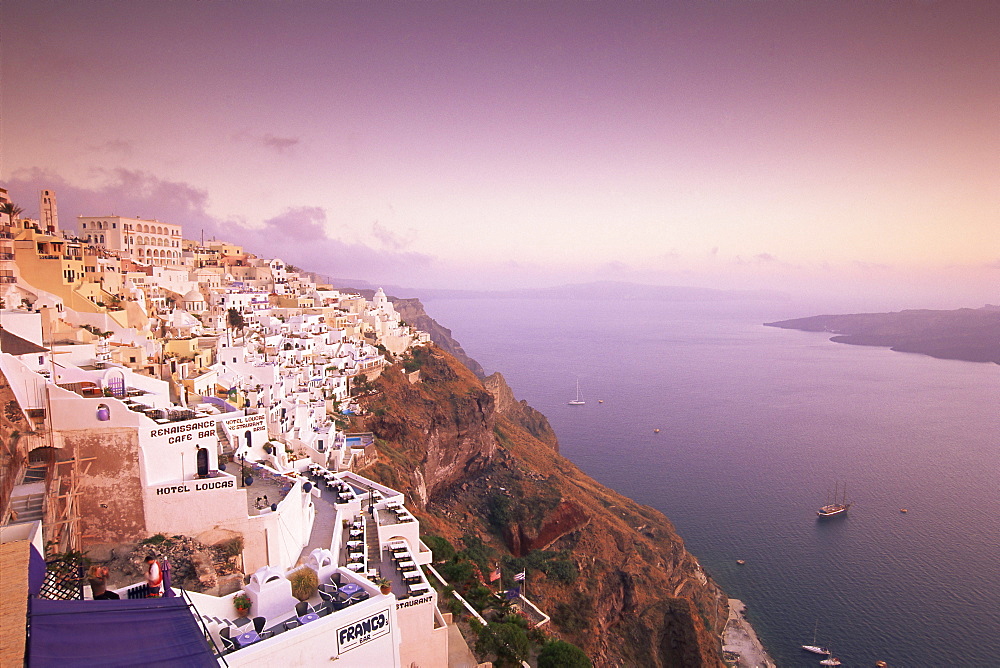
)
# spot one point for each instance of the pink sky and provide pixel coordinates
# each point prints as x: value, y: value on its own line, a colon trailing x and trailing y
x: 730, y: 144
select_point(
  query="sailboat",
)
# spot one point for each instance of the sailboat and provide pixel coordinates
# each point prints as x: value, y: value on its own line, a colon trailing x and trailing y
x: 578, y: 401
x: 834, y: 509
x: 814, y: 648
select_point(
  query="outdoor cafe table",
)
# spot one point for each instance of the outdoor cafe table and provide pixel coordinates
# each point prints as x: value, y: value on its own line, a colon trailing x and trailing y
x: 417, y: 588
x: 350, y: 589
x: 398, y: 547
x: 355, y: 543
x: 414, y: 573
x: 405, y: 565
x: 356, y: 532
x: 356, y: 566
x: 311, y: 617
x: 247, y: 638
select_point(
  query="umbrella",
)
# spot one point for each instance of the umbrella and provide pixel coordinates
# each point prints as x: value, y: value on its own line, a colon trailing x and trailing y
x: 167, y: 591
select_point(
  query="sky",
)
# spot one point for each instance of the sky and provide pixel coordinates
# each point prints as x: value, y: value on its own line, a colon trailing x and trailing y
x: 812, y: 146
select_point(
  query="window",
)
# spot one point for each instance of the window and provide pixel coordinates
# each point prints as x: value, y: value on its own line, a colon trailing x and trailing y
x: 132, y: 360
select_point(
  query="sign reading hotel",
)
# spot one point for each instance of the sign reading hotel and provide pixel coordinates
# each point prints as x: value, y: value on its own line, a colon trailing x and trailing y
x: 189, y: 431
x: 198, y: 486
x: 255, y: 424
x: 362, y: 631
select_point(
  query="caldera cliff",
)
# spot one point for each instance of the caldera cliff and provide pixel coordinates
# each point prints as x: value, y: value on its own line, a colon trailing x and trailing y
x: 483, y: 471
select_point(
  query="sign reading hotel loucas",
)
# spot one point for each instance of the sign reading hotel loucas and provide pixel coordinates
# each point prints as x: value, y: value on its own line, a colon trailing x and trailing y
x: 238, y: 426
x: 198, y: 486
x: 362, y: 631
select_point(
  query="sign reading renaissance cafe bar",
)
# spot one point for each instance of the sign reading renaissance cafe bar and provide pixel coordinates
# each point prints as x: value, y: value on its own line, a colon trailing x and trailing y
x: 362, y: 631
x: 182, y: 432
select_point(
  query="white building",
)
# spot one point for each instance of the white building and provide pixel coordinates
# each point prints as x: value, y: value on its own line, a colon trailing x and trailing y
x: 147, y: 241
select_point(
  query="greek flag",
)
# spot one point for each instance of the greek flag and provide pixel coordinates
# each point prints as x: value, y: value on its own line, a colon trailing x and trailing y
x: 519, y: 577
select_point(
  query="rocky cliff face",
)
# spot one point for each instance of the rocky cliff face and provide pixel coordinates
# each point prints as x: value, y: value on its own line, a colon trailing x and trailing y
x: 519, y: 412
x: 412, y: 312
x: 614, y: 575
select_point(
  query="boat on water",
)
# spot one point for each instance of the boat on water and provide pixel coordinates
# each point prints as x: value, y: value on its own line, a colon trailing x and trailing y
x: 814, y: 648
x: 832, y: 661
x: 578, y: 401
x: 839, y: 506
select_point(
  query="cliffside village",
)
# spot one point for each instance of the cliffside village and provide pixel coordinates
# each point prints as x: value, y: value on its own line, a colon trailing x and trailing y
x: 155, y: 386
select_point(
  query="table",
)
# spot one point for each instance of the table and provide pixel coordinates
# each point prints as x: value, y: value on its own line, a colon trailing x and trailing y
x: 417, y: 588
x: 405, y: 565
x: 411, y: 574
x: 355, y: 543
x: 311, y: 617
x: 349, y: 589
x: 398, y: 547
x: 248, y: 638
x: 356, y: 532
x: 356, y: 566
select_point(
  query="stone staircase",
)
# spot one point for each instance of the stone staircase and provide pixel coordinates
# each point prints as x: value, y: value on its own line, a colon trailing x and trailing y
x: 371, y: 543
x: 27, y: 503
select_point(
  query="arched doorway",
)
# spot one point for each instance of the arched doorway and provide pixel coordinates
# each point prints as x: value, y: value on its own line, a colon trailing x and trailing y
x: 202, y: 463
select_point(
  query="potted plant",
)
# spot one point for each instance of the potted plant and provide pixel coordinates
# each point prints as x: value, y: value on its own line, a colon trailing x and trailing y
x: 384, y: 585
x: 242, y: 604
x: 305, y: 582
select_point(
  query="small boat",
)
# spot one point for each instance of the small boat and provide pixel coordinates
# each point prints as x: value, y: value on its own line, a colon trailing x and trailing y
x: 656, y: 431
x: 832, y: 661
x: 741, y: 561
x: 881, y: 664
x: 578, y: 401
x: 834, y: 508
x: 814, y: 648
x: 600, y: 401
x: 903, y: 510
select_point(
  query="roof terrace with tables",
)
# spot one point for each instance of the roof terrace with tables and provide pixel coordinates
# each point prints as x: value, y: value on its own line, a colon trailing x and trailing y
x: 282, y: 628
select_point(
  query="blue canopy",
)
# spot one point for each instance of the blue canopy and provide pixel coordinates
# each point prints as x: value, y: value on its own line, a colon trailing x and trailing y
x: 146, y: 632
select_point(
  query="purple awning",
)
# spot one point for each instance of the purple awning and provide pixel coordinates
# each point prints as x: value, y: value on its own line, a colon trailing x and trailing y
x: 127, y: 632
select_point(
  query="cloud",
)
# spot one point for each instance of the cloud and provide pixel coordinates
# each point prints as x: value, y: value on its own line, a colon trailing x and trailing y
x: 298, y: 235
x: 279, y: 144
x: 282, y: 145
x: 390, y: 239
x: 120, y: 147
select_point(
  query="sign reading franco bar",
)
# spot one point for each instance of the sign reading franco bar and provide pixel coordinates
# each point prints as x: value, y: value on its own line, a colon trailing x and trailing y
x: 362, y: 631
x: 189, y: 431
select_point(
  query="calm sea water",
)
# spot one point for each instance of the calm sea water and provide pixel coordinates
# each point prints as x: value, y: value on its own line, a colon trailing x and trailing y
x: 756, y: 425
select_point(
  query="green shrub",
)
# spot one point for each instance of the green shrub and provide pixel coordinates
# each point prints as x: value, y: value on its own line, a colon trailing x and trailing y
x: 442, y: 549
x: 561, y: 654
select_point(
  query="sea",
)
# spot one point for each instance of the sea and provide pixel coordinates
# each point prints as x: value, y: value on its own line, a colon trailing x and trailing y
x: 757, y: 426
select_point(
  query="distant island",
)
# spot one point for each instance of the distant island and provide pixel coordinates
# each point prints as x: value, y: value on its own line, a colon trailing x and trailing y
x: 972, y: 335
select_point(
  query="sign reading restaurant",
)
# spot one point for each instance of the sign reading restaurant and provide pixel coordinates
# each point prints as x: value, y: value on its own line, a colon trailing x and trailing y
x: 362, y: 631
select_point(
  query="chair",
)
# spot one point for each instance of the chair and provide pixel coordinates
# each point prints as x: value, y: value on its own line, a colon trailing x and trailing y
x: 258, y: 624
x: 291, y: 624
x: 301, y: 609
x: 328, y: 589
x: 228, y: 644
